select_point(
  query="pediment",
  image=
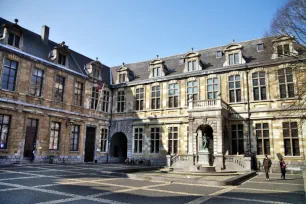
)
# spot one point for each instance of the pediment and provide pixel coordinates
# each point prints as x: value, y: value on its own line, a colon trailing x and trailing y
x: 191, y: 55
x: 156, y: 61
x: 283, y: 38
x: 123, y: 68
x: 233, y: 46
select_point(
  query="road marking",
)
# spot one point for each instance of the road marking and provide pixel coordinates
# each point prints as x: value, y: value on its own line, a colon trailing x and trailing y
x: 200, y: 200
x: 252, y: 200
x: 293, y: 184
x: 265, y: 190
x: 10, y: 189
x: 25, y: 177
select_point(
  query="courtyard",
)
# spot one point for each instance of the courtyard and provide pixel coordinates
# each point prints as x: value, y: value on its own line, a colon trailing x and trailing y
x: 85, y: 183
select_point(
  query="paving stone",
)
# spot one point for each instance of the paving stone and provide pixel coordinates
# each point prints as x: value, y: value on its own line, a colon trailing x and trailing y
x: 27, y: 196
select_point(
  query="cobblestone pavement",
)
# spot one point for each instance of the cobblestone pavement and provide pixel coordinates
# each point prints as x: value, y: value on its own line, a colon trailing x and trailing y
x: 86, y: 184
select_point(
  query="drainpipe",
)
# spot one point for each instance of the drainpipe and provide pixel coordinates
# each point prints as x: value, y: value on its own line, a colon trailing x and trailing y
x: 111, y: 115
x: 249, y: 113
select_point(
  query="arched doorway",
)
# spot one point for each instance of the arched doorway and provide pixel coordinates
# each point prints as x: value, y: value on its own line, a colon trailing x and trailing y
x: 208, y: 132
x: 118, y: 147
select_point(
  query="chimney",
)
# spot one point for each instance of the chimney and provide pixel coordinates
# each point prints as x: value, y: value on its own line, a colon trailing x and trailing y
x: 45, y: 34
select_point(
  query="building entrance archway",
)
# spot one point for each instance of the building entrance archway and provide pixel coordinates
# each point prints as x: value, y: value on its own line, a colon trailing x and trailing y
x: 118, y: 147
x: 207, y: 131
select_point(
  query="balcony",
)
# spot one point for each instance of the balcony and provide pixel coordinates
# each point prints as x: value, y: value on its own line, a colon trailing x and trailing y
x: 207, y: 104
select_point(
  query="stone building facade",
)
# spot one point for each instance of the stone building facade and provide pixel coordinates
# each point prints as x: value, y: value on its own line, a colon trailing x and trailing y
x: 238, y: 95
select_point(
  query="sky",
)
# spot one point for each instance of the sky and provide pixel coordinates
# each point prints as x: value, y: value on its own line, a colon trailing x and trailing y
x: 130, y: 31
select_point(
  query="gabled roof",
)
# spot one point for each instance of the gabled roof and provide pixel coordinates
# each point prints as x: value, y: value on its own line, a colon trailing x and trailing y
x: 33, y: 45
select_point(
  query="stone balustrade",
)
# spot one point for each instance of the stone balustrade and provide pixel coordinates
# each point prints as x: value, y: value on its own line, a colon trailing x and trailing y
x: 206, y: 104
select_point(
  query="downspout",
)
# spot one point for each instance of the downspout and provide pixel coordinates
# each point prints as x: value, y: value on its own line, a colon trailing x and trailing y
x: 249, y: 113
x: 111, y: 115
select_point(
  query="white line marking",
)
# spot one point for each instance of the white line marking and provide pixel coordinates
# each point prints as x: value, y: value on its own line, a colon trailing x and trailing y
x: 293, y: 184
x: 266, y: 190
x: 251, y: 200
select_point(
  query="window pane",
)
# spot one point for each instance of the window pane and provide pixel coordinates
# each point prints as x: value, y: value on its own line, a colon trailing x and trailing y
x: 296, y: 147
x: 287, y: 147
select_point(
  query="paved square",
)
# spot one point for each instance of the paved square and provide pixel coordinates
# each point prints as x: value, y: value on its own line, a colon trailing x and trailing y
x: 48, y: 184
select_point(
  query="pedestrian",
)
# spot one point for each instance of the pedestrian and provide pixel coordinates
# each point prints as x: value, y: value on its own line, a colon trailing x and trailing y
x: 283, y: 169
x: 33, y: 153
x: 267, y: 164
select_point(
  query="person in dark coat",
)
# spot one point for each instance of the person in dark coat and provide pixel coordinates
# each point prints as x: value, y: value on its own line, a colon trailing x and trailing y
x: 283, y: 169
x: 267, y: 164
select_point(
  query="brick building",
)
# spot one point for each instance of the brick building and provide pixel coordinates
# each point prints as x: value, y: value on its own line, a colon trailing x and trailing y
x: 237, y: 94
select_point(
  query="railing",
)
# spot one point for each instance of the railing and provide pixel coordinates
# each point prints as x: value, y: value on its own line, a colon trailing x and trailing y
x: 238, y: 162
x: 177, y: 158
x: 209, y: 103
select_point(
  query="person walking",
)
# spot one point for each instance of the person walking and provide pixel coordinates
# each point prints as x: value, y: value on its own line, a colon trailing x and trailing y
x: 283, y: 169
x: 267, y: 164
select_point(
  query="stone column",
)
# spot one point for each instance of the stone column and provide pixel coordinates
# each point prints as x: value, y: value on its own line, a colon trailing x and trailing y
x: 190, y: 139
x: 219, y: 150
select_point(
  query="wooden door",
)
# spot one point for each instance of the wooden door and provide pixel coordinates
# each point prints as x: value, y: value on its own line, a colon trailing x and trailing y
x: 30, y: 138
x: 90, y: 144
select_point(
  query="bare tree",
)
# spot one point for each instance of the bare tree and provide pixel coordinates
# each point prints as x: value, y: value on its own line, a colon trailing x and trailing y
x: 290, y: 20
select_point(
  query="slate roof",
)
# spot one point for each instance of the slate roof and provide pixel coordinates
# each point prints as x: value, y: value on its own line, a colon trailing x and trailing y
x: 208, y: 58
x: 33, y: 45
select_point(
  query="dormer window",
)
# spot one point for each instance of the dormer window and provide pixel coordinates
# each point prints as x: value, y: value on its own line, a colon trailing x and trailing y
x: 283, y: 50
x: 157, y: 68
x: 233, y: 58
x: 122, y: 77
x: 192, y: 66
x: 283, y: 47
x: 13, y: 40
x: 192, y: 61
x: 218, y: 54
x: 62, y: 59
x: 96, y: 73
x: 156, y: 72
x: 260, y: 47
x: 233, y: 55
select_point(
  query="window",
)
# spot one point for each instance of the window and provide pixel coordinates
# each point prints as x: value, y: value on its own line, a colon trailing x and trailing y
x: 260, y: 47
x: 212, y: 88
x: 96, y: 73
x: 172, y: 140
x: 283, y: 50
x: 234, y: 88
x: 173, y: 95
x: 138, y: 140
x: 155, y: 136
x: 122, y: 77
x: 262, y: 137
x: 286, y: 86
x: 54, y: 135
x: 4, y: 130
x: 120, y: 101
x: 192, y: 90
x: 233, y: 58
x: 9, y: 75
x: 105, y: 103
x: 36, y: 82
x: 74, y: 140
x: 139, y: 98
x: 78, y: 93
x: 192, y: 66
x: 103, y: 139
x: 237, y: 139
x: 291, y: 139
x: 61, y: 59
x: 156, y: 71
x: 155, y: 97
x: 259, y: 86
x: 59, y: 88
x: 94, y: 98
x: 218, y: 54
x: 14, y: 40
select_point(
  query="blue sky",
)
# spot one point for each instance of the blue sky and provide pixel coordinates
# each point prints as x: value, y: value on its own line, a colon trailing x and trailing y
x: 128, y: 31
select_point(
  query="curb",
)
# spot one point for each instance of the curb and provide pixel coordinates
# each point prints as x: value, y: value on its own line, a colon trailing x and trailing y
x: 232, y: 181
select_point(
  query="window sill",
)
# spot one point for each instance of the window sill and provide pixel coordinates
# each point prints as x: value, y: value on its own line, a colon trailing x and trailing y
x: 137, y: 111
x: 3, y: 150
x: 260, y: 101
x: 35, y: 97
x: 77, y: 106
x: 234, y: 103
x: 74, y: 151
x: 8, y: 91
x: 175, y: 108
x: 293, y: 157
x: 287, y: 99
x: 54, y: 150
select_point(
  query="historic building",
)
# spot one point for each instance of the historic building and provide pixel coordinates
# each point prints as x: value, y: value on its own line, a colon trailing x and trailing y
x: 236, y: 95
